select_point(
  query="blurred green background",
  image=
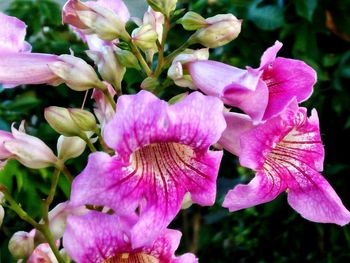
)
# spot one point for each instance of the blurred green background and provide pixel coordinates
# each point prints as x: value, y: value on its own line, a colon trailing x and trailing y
x: 315, y: 31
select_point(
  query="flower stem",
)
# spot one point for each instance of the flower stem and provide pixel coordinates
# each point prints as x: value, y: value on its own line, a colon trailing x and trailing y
x: 51, y: 195
x: 50, y: 240
x: 110, y: 98
x: 17, y: 208
x: 161, y: 47
x: 177, y: 51
x: 142, y: 61
x: 67, y: 174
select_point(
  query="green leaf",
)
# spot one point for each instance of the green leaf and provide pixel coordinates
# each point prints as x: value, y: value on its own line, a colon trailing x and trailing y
x: 268, y: 17
x: 306, y: 8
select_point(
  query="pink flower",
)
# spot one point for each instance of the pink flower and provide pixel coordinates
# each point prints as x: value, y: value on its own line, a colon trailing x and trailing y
x: 162, y: 152
x: 288, y: 154
x: 98, y: 237
x: 261, y: 93
x: 104, y: 110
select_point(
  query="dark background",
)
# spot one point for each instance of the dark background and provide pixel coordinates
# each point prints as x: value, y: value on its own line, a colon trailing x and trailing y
x: 317, y: 32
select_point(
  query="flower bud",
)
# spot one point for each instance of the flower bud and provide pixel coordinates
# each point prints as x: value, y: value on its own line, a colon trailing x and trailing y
x: 108, y: 65
x: 144, y: 37
x: 70, y: 147
x: 192, y: 21
x: 149, y: 83
x: 220, y: 30
x: 30, y: 151
x: 61, y: 121
x: 156, y: 19
x: 85, y: 120
x: 178, y: 98
x: 166, y: 7
x: 187, y: 201
x: 127, y: 59
x: 176, y: 70
x: 21, y: 245
x: 95, y: 19
x: 76, y: 73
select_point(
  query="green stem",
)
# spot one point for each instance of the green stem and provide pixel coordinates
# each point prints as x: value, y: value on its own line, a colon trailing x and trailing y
x: 51, y: 195
x: 67, y: 174
x: 168, y: 82
x: 89, y: 144
x: 110, y: 98
x: 161, y: 47
x: 142, y: 61
x: 177, y: 51
x: 50, y: 240
x: 17, y: 208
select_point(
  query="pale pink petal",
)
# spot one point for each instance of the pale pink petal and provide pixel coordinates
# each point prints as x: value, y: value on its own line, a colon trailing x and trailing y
x: 237, y: 124
x: 4, y: 136
x: 27, y: 68
x: 212, y: 77
x: 12, y: 34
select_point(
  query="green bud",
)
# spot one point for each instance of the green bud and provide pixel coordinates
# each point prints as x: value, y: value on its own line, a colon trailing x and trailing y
x: 85, y: 120
x: 178, y: 98
x: 192, y: 21
x: 61, y: 121
x: 166, y: 7
x: 145, y: 37
x: 149, y: 83
x: 127, y: 59
x: 220, y: 30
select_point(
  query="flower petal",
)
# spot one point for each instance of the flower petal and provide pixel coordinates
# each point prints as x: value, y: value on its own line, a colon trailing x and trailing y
x: 270, y: 55
x: 237, y: 124
x: 12, y: 34
x: 212, y: 77
x: 263, y: 188
x: 286, y: 79
x: 23, y: 68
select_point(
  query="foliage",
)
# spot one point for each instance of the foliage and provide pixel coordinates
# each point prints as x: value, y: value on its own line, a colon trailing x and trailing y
x: 317, y: 32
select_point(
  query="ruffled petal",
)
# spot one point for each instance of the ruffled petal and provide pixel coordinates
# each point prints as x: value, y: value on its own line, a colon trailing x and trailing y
x: 263, y: 188
x: 237, y: 124
x: 25, y: 68
x: 286, y: 79
x: 12, y: 34
x: 96, y: 236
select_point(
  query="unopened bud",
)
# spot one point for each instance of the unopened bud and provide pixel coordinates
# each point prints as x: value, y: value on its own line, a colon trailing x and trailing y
x: 65, y: 256
x: 192, y: 21
x: 178, y: 98
x: 70, y: 147
x: 76, y: 73
x: 149, y: 83
x: 85, y: 120
x: 108, y: 65
x: 166, y: 7
x: 176, y: 70
x: 61, y: 121
x: 104, y: 23
x: 30, y: 151
x: 127, y: 59
x: 220, y: 30
x: 145, y: 37
x: 21, y: 245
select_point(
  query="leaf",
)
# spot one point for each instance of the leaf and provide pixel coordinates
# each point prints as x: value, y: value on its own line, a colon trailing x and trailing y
x: 268, y: 17
x: 306, y: 8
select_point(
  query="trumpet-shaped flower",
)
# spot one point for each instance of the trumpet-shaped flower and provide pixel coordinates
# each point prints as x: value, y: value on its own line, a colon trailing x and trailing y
x: 107, y: 238
x: 162, y: 152
x: 288, y: 155
x: 261, y: 93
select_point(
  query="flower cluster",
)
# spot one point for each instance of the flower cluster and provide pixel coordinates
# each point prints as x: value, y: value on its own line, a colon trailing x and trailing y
x: 153, y: 155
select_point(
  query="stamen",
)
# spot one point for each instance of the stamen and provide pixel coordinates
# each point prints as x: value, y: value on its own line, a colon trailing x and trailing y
x: 132, y: 258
